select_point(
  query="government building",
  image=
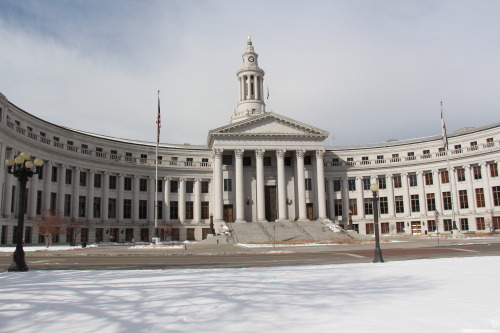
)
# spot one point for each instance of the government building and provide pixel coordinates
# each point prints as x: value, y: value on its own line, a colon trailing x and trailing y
x: 261, y: 168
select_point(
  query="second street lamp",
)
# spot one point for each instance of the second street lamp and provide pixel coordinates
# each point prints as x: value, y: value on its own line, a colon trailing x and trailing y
x: 378, y: 252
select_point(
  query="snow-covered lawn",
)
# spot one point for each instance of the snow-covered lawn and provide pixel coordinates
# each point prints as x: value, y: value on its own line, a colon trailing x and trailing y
x: 440, y: 295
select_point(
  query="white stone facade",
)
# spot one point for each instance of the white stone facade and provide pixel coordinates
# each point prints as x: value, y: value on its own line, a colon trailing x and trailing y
x: 261, y: 167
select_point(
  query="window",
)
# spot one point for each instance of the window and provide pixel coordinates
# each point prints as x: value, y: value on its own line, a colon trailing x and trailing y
x: 366, y: 184
x: 174, y: 210
x: 247, y: 161
x: 382, y: 182
x: 40, y: 174
x: 464, y: 224
x: 204, y: 187
x: 445, y: 179
x: 189, y: 161
x: 204, y: 209
x: 428, y: 178
x: 227, y: 159
x: 337, y: 185
x: 447, y: 224
x: 412, y: 178
x: 267, y: 161
x: 480, y: 225
x: 398, y: 200
x: 462, y: 198
x: 400, y: 227
x: 431, y: 225
x: 82, y: 204
x: 380, y: 159
x: 368, y: 206
x: 128, y: 157
x: 431, y: 201
x: 127, y: 208
x: 353, y: 206
x: 411, y: 155
x: 364, y: 160
x: 415, y: 203
x: 127, y: 185
x: 189, y: 186
x: 112, y: 182
x: 54, y: 174
x: 458, y: 148
x: 384, y: 227
x: 307, y: 160
x: 446, y: 200
x: 53, y: 200
x: 397, y: 181
x: 97, y: 180
x: 83, y: 178
x: 97, y: 207
x: 143, y: 209
x: 460, y: 174
x: 67, y: 204
x: 159, y: 209
x: 338, y: 207
x: 39, y: 195
x: 426, y: 153
x: 159, y: 185
x: 288, y: 161
x: 189, y: 210
x: 480, y: 203
x: 370, y: 230
x: 395, y: 158
x: 384, y: 205
x: 493, y: 169
x: 496, y: 195
x: 68, y: 177
x: 228, y: 185
x: 111, y: 208
x: 174, y: 186
x: 495, y: 220
x: 352, y: 184
x: 143, y: 185
x: 114, y: 154
x: 476, y: 170
x: 350, y: 161
x: 308, y: 184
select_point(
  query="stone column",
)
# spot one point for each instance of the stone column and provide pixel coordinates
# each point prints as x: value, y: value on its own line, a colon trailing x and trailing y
x: 320, y: 180
x: 421, y: 193
x: 454, y: 192
x: 47, y: 172
x: 240, y: 202
x: 32, y: 196
x: 135, y: 198
x: 361, y: 197
x: 406, y: 194
x: 261, y: 206
x: 75, y: 200
x: 90, y: 196
x: 120, y: 197
x: 488, y: 198
x: 61, y: 186
x: 301, y: 184
x: 217, y: 185
x: 197, y: 201
x: 470, y: 189
x: 390, y: 199
x: 105, y: 197
x: 438, y: 196
x: 331, y: 199
x: 182, y: 200
x: 345, y: 200
x: 166, y: 199
x: 280, y: 157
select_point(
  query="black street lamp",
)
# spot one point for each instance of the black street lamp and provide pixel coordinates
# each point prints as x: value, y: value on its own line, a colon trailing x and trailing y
x: 22, y: 168
x: 378, y: 252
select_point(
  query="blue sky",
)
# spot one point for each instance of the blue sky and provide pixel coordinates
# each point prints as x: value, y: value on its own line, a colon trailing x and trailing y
x: 366, y: 71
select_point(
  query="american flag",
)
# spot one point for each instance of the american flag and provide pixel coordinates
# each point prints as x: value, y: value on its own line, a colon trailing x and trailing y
x: 443, y: 125
x: 158, y: 119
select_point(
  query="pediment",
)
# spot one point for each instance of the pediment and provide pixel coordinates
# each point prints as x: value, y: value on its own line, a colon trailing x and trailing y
x: 267, y: 125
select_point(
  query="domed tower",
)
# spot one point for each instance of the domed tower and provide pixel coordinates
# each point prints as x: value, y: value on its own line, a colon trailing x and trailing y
x: 251, y: 91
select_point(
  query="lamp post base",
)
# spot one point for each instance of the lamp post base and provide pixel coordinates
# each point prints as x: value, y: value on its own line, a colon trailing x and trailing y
x: 377, y: 257
x: 18, y: 264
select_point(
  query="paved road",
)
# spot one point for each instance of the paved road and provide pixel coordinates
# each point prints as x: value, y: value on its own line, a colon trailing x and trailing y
x: 230, y: 256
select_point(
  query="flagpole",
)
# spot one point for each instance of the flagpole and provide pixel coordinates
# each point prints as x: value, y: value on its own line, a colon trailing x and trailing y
x: 450, y: 173
x: 158, y: 123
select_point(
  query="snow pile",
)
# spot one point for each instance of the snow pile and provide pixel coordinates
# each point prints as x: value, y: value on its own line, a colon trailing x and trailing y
x: 440, y: 295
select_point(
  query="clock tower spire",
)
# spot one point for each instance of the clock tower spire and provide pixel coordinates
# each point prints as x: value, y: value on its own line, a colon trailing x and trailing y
x: 251, y: 91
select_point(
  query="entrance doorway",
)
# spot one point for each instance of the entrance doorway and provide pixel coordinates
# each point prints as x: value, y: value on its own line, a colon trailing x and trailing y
x: 228, y: 213
x: 113, y: 235
x: 310, y: 211
x: 416, y: 228
x: 270, y: 203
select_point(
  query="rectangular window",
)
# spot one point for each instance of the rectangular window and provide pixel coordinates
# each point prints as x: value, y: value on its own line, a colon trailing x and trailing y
x: 205, y: 210
x: 496, y: 195
x: 97, y: 180
x: 174, y: 186
x: 431, y: 225
x: 462, y: 198
x: 307, y: 160
x: 53, y: 201
x: 480, y: 225
x: 267, y: 161
x: 397, y: 181
x: 431, y: 202
x: 97, y: 207
x: 411, y: 155
x: 415, y: 203
x: 446, y: 200
x: 143, y: 209
x: 370, y: 230
x: 352, y: 184
x: 308, y: 184
x: 412, y: 178
x: 204, y: 187
x: 353, y: 206
x: 382, y: 182
x: 127, y: 185
x: 143, y: 185
x: 83, y: 178
x: 189, y: 210
x: 445, y: 179
x: 112, y: 182
x: 426, y: 153
x: 68, y: 177
x: 480, y: 203
x: 336, y: 185
x: 159, y: 185
x: 428, y: 178
x: 288, y: 161
x: 39, y: 196
x: 112, y: 208
x: 398, y: 200
x: 247, y: 161
x: 447, y: 224
x: 493, y: 170
x: 476, y: 170
x: 338, y: 207
x: 174, y: 210
x: 159, y: 209
x: 400, y: 227
x: 384, y: 205
x: 461, y: 174
x: 54, y: 174
x: 82, y: 205
x: 127, y: 208
x: 228, y: 185
x: 227, y: 159
x: 67, y: 205
x: 368, y: 206
x: 384, y: 228
x: 189, y: 186
x: 464, y: 224
x: 366, y: 184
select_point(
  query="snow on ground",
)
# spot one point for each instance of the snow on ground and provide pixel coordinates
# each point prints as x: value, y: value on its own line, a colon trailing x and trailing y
x: 440, y: 295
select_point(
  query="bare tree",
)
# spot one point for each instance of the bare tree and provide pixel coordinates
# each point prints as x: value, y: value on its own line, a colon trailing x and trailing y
x: 74, y: 228
x: 50, y: 224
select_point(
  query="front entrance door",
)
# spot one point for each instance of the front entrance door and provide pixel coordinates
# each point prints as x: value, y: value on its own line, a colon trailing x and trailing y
x: 113, y: 235
x: 416, y: 228
x: 310, y: 211
x: 270, y: 197
x: 228, y: 213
